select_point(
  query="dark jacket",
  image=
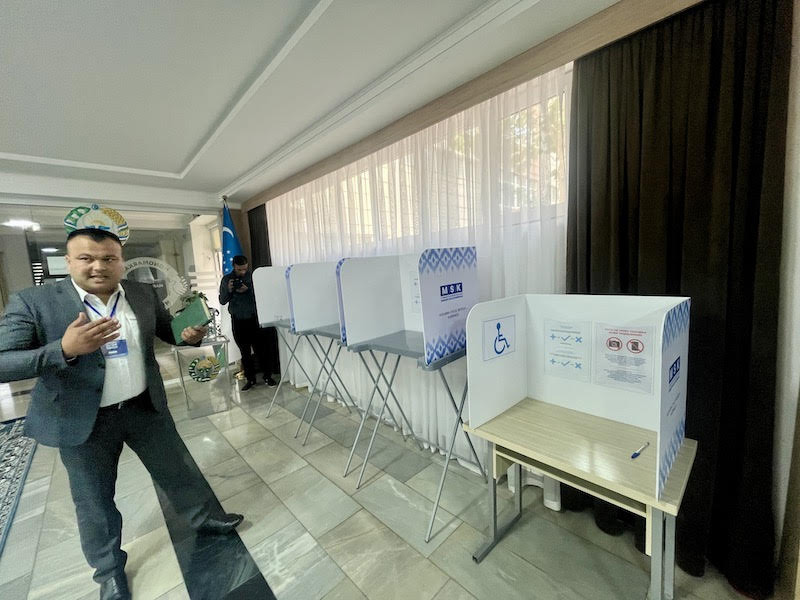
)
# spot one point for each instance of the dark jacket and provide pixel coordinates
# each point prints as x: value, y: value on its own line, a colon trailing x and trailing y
x: 65, y: 399
x: 240, y: 305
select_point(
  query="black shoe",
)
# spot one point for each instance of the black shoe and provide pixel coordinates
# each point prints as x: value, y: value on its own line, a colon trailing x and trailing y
x: 248, y: 385
x: 115, y: 588
x: 270, y: 381
x: 221, y: 525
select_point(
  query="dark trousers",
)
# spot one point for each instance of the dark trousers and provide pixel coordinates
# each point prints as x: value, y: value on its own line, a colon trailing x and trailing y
x: 92, y: 471
x: 251, y: 339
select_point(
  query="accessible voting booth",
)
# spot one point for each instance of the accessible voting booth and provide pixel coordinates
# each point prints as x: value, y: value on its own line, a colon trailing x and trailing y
x: 591, y: 390
x: 413, y: 306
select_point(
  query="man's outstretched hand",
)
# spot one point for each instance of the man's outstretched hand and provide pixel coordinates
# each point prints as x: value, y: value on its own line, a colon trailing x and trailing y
x: 84, y: 336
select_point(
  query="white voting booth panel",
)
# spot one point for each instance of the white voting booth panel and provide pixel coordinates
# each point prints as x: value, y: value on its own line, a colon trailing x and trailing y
x: 618, y: 357
x: 272, y: 303
x: 430, y: 293
x: 311, y: 289
x: 376, y: 297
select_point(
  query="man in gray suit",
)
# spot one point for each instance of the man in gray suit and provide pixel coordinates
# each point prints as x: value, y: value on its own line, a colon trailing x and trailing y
x: 89, y: 339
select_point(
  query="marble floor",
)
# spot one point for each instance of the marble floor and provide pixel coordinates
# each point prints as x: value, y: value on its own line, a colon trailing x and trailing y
x: 311, y: 533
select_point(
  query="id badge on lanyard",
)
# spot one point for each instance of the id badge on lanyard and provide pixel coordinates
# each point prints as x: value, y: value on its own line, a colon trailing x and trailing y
x: 115, y: 348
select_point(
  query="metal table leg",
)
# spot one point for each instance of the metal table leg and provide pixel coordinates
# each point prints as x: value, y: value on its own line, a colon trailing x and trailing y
x: 330, y: 366
x: 319, y: 397
x: 376, y: 384
x: 446, y: 463
x: 390, y: 391
x: 377, y: 424
x: 292, y: 357
x: 364, y: 416
x: 497, y: 534
x: 657, y: 558
x: 314, y: 387
x: 669, y: 557
x: 458, y: 410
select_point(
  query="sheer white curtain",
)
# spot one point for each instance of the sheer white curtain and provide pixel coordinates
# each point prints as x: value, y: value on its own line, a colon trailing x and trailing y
x: 493, y: 176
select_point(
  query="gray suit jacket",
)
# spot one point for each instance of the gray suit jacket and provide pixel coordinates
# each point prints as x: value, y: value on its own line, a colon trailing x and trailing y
x: 65, y: 399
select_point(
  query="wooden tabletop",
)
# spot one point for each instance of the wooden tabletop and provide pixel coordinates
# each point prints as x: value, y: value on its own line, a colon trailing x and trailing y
x: 592, y: 448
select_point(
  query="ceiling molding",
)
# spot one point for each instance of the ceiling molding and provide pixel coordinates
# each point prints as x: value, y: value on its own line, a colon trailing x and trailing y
x: 31, y: 200
x: 292, y: 41
x: 498, y: 11
x: 76, y: 164
x: 23, y: 188
x: 297, y: 35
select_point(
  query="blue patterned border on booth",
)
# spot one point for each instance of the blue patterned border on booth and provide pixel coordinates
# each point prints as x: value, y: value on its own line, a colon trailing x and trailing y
x: 435, y: 260
x: 672, y: 452
x: 676, y: 323
x: 291, y: 306
x: 433, y: 263
x: 341, y: 304
x: 445, y: 345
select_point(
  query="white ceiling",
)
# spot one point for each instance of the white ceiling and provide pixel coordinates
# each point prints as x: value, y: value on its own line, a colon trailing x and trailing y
x: 169, y: 105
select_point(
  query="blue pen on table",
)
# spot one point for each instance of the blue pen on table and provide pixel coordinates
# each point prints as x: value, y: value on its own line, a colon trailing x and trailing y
x: 639, y: 451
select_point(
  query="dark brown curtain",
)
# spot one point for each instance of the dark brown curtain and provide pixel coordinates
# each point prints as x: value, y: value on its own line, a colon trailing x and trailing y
x: 259, y: 237
x: 261, y: 257
x: 676, y: 181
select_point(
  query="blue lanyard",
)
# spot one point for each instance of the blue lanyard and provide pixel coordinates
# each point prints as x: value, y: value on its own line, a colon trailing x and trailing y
x: 98, y: 313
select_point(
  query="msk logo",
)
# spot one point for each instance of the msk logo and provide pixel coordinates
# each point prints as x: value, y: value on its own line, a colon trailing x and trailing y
x: 451, y: 290
x: 674, y: 370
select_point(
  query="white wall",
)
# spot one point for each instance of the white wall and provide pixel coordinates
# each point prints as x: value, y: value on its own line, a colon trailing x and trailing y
x: 788, y: 367
x: 16, y: 266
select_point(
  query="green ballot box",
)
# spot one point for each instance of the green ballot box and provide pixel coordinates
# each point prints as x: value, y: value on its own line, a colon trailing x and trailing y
x: 195, y: 314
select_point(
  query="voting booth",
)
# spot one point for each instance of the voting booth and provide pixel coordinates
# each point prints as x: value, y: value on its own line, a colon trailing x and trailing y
x: 311, y: 293
x: 314, y: 313
x: 426, y: 297
x: 591, y: 390
x: 273, y: 310
x: 272, y: 302
x: 414, y: 306
x: 622, y: 358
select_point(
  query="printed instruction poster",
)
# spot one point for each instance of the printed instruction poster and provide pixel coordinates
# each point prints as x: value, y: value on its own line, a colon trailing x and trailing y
x: 568, y: 349
x: 624, y: 357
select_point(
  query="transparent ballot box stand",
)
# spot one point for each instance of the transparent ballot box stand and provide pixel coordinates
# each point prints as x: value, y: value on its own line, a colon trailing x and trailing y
x: 205, y: 376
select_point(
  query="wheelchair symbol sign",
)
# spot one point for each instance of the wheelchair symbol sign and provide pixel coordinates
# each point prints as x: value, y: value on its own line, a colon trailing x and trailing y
x: 498, y: 337
x: 500, y: 342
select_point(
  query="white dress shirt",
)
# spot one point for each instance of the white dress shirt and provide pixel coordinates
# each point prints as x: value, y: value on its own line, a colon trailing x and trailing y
x: 124, y: 376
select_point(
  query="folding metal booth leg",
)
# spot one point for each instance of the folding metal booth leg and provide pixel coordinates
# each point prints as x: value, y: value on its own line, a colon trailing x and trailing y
x: 363, y: 417
x: 292, y: 350
x: 459, y: 411
x: 313, y: 389
x: 319, y: 399
x: 337, y: 394
x: 377, y: 424
x: 376, y: 383
x: 446, y: 461
x: 399, y: 407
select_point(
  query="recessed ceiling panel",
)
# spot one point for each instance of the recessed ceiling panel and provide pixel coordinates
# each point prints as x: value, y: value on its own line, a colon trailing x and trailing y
x: 134, y: 84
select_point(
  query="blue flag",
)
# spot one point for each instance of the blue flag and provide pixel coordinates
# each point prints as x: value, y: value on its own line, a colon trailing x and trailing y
x: 230, y: 241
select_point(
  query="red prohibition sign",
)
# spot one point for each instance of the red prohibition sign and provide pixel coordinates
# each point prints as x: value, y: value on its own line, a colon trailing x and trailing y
x: 614, y: 344
x: 635, y: 346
